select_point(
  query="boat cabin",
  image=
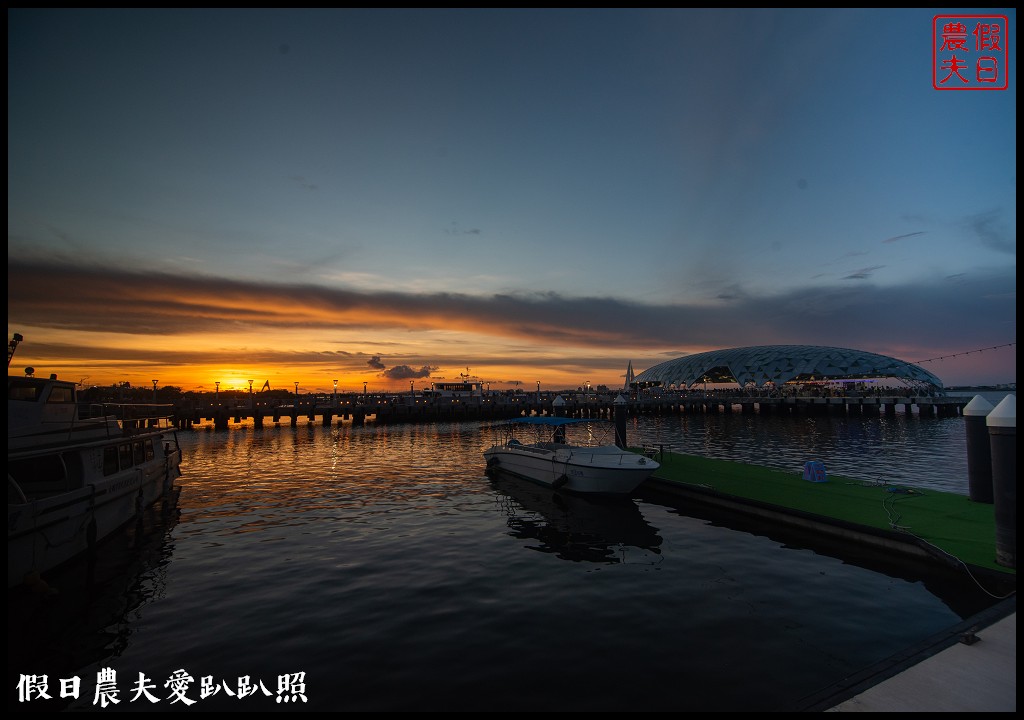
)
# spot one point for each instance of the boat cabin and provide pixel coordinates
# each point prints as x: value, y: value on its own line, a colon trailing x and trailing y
x: 455, y: 390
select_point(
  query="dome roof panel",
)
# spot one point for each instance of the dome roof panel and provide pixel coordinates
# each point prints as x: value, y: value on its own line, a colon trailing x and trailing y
x: 781, y: 363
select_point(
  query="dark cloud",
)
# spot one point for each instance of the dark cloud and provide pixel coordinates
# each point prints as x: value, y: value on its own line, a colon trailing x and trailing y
x: 404, y: 372
x: 903, y: 237
x: 978, y: 310
x: 301, y: 182
x: 863, y: 273
x: 456, y: 230
x: 993, y: 233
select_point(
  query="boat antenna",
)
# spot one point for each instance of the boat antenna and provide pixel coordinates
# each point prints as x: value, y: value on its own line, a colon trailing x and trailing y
x: 12, y: 346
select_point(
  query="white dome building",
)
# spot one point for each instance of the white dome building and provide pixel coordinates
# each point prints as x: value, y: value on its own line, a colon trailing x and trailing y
x: 779, y: 364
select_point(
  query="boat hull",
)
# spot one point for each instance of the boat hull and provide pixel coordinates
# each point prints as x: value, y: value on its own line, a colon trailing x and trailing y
x: 603, y: 470
x: 45, y: 533
x: 76, y: 472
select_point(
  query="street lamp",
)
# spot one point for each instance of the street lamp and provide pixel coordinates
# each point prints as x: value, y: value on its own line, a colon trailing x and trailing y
x: 216, y: 393
x: 154, y: 390
x: 296, y: 392
x: 335, y: 392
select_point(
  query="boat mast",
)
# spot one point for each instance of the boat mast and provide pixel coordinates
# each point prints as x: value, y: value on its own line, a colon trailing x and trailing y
x: 11, y: 347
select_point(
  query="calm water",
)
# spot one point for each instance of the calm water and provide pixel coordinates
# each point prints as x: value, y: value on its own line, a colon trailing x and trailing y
x: 384, y: 564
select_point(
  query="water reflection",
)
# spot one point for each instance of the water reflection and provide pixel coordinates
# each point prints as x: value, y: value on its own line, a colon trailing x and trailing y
x: 964, y: 593
x: 924, y: 452
x: 85, y: 612
x: 375, y: 559
x: 575, y: 527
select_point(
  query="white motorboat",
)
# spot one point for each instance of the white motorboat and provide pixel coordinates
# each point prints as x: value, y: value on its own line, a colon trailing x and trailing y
x: 77, y: 474
x: 576, y: 461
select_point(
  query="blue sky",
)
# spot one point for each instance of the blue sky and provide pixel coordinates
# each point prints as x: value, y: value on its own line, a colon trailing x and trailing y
x: 538, y: 195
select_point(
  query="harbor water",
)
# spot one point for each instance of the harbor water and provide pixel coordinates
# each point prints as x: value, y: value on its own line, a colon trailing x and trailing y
x: 379, y: 569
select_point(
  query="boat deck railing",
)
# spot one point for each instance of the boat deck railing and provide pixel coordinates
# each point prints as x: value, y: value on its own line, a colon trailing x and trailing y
x: 538, y: 449
x: 607, y: 458
x: 131, y: 418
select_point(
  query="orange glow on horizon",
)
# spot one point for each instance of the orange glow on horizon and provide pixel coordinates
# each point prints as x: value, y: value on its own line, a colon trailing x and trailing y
x: 385, y: 360
x: 206, y: 378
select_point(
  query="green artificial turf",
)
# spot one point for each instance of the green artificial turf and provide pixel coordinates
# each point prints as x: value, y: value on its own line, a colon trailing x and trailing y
x: 955, y: 524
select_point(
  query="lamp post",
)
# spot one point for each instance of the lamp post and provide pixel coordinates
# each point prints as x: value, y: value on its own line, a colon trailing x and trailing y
x: 154, y: 390
x: 216, y: 393
x: 364, y: 391
x: 252, y: 400
x: 335, y: 392
x: 296, y: 394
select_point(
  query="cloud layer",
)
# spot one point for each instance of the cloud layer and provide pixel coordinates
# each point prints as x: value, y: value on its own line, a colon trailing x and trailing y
x: 913, y: 319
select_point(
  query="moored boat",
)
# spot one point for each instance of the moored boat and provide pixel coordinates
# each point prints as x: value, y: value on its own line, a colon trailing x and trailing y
x: 76, y: 474
x: 578, y: 464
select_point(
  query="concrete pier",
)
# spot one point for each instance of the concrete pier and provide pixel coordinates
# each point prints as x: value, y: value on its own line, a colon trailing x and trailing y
x: 358, y: 408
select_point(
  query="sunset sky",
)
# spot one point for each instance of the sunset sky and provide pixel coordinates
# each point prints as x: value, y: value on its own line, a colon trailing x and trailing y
x: 524, y: 196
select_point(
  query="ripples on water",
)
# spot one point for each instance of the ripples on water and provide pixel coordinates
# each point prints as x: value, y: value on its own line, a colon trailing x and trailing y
x: 928, y: 452
x: 385, y: 565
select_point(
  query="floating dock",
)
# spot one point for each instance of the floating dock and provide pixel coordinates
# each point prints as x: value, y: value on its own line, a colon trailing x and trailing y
x: 969, y: 667
x: 938, y: 527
